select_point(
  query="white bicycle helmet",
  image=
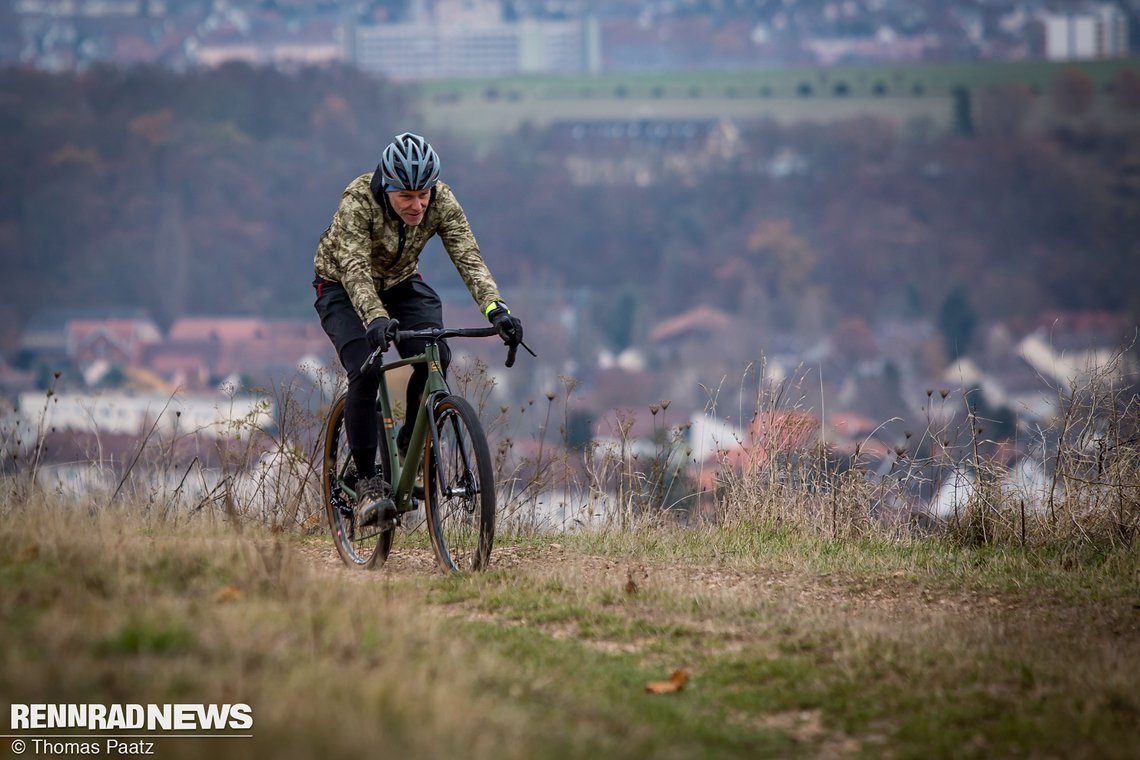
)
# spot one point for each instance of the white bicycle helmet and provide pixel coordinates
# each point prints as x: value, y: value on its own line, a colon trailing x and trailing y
x: 409, y: 163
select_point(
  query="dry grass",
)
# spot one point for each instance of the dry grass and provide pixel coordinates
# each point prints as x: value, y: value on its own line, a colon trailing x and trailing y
x: 118, y: 608
x: 796, y: 645
x: 1079, y: 486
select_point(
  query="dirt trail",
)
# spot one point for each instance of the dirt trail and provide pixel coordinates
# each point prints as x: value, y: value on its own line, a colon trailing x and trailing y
x: 894, y: 597
x: 410, y: 562
x: 899, y: 596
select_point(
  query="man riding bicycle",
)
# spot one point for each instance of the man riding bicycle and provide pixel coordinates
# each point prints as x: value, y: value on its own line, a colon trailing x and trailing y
x: 368, y: 283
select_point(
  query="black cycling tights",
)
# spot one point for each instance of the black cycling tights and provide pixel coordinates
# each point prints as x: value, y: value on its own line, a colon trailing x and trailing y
x: 360, y: 407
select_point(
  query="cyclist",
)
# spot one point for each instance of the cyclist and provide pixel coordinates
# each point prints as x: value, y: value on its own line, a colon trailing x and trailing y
x: 368, y: 283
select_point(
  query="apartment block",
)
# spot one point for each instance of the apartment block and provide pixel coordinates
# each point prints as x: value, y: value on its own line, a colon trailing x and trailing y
x: 470, y: 48
x: 1097, y: 32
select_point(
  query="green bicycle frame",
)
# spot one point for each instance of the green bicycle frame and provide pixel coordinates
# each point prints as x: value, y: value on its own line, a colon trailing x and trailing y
x: 436, y: 385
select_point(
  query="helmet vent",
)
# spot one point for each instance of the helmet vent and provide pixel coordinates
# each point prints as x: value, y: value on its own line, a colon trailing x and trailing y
x: 409, y: 163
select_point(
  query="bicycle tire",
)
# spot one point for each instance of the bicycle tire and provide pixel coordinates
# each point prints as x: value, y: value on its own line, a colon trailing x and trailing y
x: 371, y: 547
x: 460, y: 487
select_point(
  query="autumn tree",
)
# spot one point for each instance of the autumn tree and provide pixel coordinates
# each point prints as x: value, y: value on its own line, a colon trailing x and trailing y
x: 957, y: 320
x: 1073, y: 93
x: 853, y: 341
x: 1003, y: 109
x: 1126, y: 90
x: 780, y: 265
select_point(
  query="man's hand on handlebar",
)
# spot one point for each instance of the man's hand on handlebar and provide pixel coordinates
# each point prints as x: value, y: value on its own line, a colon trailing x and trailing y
x: 381, y: 332
x: 510, y: 327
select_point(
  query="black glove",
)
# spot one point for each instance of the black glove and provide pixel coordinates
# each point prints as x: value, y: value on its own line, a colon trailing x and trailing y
x: 510, y: 326
x: 381, y: 331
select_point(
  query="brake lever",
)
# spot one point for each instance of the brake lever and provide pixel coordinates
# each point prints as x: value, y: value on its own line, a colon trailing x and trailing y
x: 372, y: 357
x: 514, y: 348
x: 393, y: 338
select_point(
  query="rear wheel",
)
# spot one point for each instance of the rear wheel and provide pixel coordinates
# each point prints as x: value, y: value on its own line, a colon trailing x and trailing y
x: 460, y: 487
x: 358, y: 547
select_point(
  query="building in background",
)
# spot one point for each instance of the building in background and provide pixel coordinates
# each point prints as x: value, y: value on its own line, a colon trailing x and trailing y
x: 1097, y: 32
x: 317, y: 47
x: 459, y: 39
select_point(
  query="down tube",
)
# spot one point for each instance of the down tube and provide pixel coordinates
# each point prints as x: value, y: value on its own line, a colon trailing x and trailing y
x: 433, y: 389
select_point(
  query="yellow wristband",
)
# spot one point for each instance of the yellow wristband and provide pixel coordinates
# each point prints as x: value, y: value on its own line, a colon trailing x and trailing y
x: 494, y: 305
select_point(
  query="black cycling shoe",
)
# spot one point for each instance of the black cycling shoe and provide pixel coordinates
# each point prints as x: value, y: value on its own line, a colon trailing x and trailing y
x: 374, y: 503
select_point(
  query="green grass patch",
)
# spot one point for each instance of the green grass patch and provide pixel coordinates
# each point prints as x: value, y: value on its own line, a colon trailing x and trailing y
x: 603, y: 697
x: 145, y: 637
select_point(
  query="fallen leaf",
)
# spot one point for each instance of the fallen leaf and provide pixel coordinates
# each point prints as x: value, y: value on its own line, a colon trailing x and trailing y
x: 675, y: 683
x: 227, y: 594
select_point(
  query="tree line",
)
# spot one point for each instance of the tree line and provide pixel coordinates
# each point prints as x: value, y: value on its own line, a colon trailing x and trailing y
x: 206, y: 191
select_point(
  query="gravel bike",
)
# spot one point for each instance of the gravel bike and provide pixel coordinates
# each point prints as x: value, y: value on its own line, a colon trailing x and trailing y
x: 447, y: 447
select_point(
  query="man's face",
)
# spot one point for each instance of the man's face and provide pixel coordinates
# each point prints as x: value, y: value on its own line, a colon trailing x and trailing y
x: 410, y: 205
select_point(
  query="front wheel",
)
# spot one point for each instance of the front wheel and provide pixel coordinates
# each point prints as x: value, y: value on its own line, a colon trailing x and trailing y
x: 460, y: 487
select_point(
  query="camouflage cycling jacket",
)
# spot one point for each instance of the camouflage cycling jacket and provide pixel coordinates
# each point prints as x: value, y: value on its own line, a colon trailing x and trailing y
x: 368, y: 248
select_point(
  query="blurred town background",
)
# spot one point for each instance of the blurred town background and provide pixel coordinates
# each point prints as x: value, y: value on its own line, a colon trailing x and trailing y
x: 418, y: 39
x: 891, y: 212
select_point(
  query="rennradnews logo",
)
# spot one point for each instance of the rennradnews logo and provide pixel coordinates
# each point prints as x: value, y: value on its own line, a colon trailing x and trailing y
x: 132, y: 717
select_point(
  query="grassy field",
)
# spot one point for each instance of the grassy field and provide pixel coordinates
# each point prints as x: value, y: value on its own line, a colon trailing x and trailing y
x: 787, y: 95
x: 795, y: 645
x: 909, y: 79
x: 482, y: 118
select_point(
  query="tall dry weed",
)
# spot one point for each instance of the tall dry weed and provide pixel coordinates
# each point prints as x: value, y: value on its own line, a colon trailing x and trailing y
x: 1074, y: 479
x: 245, y: 470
